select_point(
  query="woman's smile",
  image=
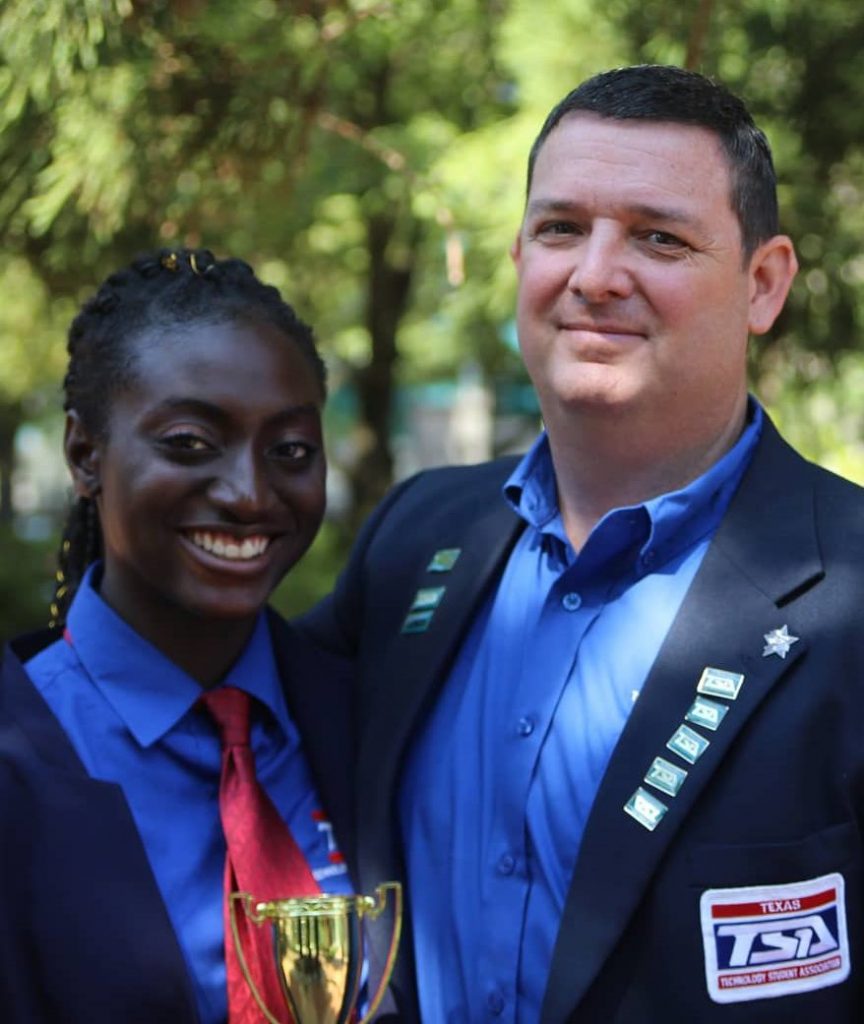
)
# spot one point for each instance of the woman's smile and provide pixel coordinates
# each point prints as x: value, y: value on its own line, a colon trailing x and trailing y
x: 227, y: 545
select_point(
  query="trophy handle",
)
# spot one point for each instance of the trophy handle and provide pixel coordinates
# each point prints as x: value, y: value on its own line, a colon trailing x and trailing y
x: 246, y: 899
x: 377, y: 906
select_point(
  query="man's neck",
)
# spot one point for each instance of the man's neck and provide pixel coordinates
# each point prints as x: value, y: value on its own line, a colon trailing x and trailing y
x: 606, y: 463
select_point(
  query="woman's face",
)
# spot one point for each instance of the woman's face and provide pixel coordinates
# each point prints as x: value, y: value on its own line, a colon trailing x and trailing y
x: 210, y: 482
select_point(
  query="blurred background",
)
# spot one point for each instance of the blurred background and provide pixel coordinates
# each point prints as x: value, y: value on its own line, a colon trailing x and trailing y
x: 368, y: 159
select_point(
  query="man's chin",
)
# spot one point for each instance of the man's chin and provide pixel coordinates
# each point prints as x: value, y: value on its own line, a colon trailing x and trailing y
x: 597, y: 399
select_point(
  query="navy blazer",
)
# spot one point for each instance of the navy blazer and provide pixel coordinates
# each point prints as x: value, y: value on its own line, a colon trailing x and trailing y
x: 84, y: 935
x: 776, y: 798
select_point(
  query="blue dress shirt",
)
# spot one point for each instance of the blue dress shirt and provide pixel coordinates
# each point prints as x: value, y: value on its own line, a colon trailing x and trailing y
x: 500, y: 784
x: 129, y: 713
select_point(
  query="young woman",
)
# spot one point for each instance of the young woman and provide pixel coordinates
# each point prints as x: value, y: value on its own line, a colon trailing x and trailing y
x: 193, y: 436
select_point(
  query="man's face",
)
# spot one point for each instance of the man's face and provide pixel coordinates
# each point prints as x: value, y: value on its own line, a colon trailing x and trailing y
x: 634, y: 294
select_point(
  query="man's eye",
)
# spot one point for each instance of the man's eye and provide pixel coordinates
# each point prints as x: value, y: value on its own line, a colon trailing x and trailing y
x: 664, y: 240
x: 557, y: 227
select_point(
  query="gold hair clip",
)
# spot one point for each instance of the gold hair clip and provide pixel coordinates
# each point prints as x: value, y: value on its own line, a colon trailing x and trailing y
x: 169, y: 262
x: 193, y: 263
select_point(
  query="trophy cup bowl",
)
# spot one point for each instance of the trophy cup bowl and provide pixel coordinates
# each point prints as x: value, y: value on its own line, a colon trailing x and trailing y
x: 318, y: 950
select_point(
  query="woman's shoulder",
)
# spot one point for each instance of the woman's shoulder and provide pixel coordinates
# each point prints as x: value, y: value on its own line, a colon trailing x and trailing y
x: 28, y: 645
x: 29, y: 731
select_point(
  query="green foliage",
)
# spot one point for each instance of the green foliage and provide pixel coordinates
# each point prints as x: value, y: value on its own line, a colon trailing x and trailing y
x: 313, y: 577
x: 26, y: 583
x: 368, y: 157
x: 31, y: 336
x: 818, y: 406
x: 44, y: 45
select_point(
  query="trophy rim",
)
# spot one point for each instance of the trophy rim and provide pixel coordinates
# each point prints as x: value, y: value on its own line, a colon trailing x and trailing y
x: 323, y: 905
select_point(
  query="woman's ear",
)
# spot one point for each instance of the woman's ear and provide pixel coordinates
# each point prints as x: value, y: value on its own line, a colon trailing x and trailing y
x: 82, y: 453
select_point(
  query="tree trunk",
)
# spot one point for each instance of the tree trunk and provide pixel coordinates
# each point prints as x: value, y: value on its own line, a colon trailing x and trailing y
x: 698, y: 34
x: 10, y: 418
x: 386, y: 301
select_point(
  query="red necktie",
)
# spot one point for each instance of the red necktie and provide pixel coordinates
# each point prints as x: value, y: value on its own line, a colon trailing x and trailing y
x: 262, y: 859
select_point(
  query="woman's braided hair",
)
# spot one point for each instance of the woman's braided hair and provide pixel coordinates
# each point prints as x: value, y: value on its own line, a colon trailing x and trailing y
x: 159, y: 290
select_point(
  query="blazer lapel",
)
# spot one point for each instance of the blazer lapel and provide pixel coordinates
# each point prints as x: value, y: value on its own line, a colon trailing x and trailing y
x: 405, y: 681
x: 415, y: 663
x: 765, y: 552
x: 95, y: 843
x: 319, y: 692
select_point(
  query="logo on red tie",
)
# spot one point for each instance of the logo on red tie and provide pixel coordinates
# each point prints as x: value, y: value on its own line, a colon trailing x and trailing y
x: 333, y: 854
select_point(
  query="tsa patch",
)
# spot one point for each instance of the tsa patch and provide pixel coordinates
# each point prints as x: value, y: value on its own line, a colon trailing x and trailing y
x: 774, y: 940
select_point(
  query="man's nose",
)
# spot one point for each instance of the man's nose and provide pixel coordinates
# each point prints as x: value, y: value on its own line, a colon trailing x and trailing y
x: 601, y: 268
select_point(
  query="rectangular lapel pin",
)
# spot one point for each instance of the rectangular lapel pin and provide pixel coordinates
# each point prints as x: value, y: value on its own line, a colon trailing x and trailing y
x: 419, y: 616
x: 646, y: 809
x: 687, y: 743
x: 665, y: 776
x: 707, y: 713
x: 716, y: 682
x: 444, y: 560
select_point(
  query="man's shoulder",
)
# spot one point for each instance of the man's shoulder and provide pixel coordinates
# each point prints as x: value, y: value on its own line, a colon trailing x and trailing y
x: 792, y: 469
x: 491, y: 473
x: 790, y: 507
x: 443, y: 508
x: 789, y: 469
x: 299, y: 658
x: 442, y: 498
x: 468, y: 485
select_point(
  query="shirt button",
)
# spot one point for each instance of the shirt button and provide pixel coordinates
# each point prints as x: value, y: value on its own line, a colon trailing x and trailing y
x: 525, y: 726
x: 571, y: 601
x: 506, y: 864
x: 495, y: 1002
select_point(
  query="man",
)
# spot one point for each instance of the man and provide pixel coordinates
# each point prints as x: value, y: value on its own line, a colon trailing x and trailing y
x: 612, y: 713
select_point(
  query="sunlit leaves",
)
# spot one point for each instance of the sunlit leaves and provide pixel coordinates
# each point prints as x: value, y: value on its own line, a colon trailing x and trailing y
x: 32, y: 326
x: 92, y: 160
x: 44, y: 44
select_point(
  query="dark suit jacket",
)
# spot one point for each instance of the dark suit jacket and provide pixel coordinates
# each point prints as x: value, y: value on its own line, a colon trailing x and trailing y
x: 777, y: 797
x: 84, y: 935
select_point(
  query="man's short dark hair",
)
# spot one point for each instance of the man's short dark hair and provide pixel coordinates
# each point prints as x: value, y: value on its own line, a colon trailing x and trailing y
x: 650, y: 92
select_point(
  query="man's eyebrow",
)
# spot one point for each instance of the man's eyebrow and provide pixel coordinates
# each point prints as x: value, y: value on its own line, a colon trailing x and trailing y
x: 667, y: 214
x: 670, y: 214
x: 539, y: 206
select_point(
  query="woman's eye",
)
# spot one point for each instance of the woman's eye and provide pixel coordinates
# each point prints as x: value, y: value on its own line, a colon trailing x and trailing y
x: 186, y: 442
x: 293, y: 451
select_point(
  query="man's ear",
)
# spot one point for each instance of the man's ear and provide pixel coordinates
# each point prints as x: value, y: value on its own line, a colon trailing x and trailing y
x: 516, y: 251
x: 773, y: 267
x: 82, y: 453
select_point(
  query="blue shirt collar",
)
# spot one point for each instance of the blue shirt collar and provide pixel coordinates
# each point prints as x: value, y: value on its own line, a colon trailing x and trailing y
x: 664, y: 525
x: 145, y: 688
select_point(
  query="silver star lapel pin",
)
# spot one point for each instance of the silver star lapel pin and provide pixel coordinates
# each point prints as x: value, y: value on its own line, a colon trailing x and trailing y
x: 778, y: 642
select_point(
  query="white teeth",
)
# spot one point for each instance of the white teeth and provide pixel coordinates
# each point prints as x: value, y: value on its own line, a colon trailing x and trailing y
x: 225, y: 547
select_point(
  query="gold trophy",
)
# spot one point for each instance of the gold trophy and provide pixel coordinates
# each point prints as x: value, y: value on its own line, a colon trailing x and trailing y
x: 318, y: 947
